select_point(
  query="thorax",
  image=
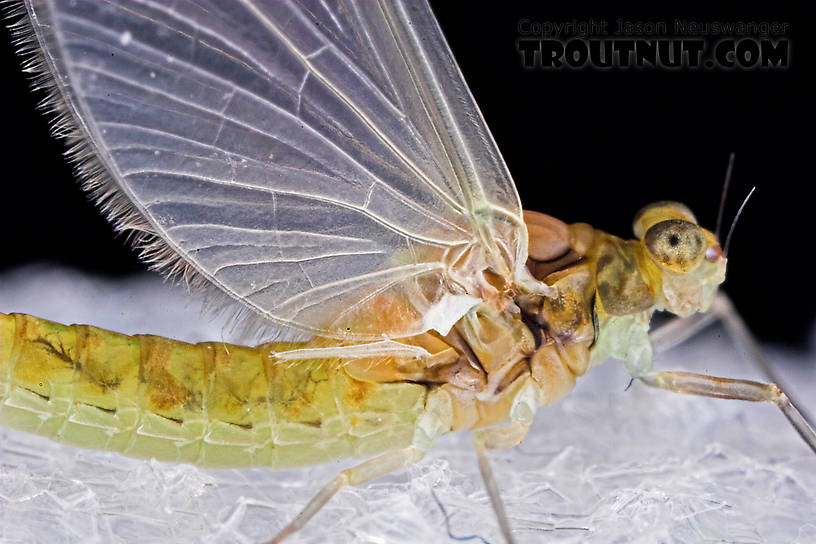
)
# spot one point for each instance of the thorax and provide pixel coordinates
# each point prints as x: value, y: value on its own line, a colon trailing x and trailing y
x: 504, y: 363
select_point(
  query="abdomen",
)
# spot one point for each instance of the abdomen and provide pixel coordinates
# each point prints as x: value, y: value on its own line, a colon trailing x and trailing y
x: 212, y: 404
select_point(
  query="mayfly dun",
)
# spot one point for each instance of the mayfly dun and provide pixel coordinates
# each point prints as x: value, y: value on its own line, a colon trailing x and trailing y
x: 326, y: 169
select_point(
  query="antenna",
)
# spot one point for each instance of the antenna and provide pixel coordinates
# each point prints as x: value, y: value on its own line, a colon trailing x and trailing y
x: 724, y: 194
x: 734, y: 222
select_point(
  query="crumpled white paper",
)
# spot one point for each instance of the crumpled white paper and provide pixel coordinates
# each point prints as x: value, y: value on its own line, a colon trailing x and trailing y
x: 603, y: 465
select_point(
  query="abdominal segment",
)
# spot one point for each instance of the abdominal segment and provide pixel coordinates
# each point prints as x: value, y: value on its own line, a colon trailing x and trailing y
x: 211, y: 403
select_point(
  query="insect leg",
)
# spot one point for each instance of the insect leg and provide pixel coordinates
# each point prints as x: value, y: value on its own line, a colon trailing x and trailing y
x: 497, y: 439
x: 434, y: 421
x: 726, y: 388
x: 373, y: 468
x: 724, y: 309
x: 678, y: 330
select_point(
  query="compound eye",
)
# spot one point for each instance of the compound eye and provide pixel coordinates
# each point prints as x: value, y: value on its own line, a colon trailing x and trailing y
x: 676, y: 244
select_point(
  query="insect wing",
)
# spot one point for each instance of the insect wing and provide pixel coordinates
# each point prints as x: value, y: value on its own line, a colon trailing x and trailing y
x: 326, y: 166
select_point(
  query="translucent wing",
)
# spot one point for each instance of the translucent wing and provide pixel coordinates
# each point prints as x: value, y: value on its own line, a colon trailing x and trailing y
x: 325, y: 165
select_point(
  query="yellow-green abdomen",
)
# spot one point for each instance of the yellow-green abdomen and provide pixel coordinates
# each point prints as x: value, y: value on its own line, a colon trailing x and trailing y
x: 212, y: 404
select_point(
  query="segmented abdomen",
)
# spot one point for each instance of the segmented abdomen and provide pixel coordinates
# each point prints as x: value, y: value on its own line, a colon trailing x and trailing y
x: 212, y: 404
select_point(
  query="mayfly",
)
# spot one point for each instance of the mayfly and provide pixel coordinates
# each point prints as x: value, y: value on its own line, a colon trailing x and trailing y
x: 326, y: 168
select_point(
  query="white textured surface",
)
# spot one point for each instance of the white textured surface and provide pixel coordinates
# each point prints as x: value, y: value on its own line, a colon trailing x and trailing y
x: 604, y: 465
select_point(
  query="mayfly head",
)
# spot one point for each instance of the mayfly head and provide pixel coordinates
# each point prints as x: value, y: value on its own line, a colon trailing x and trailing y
x: 684, y: 258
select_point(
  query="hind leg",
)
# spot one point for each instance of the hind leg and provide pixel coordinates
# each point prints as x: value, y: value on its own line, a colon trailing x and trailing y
x: 373, y: 468
x: 434, y: 422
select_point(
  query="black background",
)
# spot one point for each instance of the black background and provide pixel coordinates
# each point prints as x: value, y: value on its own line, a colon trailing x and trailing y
x: 583, y: 145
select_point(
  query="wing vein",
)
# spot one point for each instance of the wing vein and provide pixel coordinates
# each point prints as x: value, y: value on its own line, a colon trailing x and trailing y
x: 353, y: 106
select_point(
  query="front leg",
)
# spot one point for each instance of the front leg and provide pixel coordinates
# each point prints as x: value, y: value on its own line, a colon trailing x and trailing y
x: 678, y: 330
x: 725, y: 388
